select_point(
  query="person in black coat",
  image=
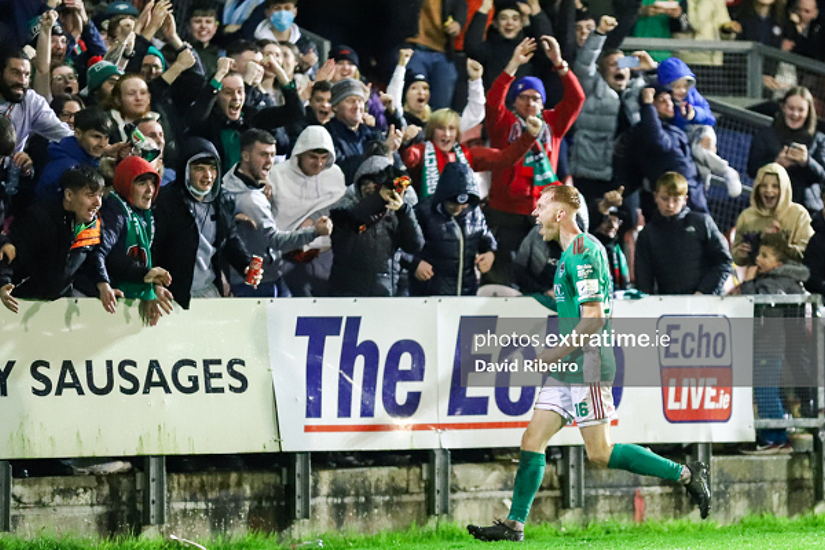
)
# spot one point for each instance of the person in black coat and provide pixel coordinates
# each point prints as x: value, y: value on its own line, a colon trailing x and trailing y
x: 680, y: 251
x: 793, y: 141
x: 195, y: 235
x: 53, y: 245
x: 456, y: 237
x: 661, y: 147
x: 372, y: 220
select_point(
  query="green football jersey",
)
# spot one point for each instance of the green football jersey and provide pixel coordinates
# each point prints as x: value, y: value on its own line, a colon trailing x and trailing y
x: 583, y: 276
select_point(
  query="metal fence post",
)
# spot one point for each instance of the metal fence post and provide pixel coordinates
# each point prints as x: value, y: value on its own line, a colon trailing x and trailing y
x: 154, y: 490
x: 5, y: 496
x: 438, y: 483
x: 572, y: 477
x: 754, y: 72
x: 299, y: 486
x: 703, y: 452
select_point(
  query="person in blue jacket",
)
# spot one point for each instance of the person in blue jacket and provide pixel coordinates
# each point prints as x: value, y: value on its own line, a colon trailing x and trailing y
x: 693, y: 115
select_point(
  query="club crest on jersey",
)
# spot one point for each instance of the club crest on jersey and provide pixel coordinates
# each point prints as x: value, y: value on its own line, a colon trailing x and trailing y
x: 561, y: 269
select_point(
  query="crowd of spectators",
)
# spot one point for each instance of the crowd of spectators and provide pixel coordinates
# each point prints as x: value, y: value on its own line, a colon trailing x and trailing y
x: 156, y: 149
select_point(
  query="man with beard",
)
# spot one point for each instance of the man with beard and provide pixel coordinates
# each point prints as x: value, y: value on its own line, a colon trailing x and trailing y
x: 220, y: 114
x: 28, y: 111
x: 611, y: 107
x: 245, y: 183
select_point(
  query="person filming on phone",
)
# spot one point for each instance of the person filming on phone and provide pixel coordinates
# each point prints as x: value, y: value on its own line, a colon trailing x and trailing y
x: 611, y: 107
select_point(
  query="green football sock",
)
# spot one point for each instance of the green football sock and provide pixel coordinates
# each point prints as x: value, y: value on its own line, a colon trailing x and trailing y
x: 639, y: 460
x: 528, y: 480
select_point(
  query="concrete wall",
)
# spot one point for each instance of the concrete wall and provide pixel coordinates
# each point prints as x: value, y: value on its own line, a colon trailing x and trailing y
x: 370, y: 500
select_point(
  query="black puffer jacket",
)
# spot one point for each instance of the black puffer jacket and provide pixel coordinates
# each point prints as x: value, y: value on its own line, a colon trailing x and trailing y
x: 176, y: 238
x: 681, y: 254
x: 451, y: 242
x: 364, y: 242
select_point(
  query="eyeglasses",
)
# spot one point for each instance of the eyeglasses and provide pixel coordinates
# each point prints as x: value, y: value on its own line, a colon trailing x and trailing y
x: 65, y: 78
x: 68, y: 114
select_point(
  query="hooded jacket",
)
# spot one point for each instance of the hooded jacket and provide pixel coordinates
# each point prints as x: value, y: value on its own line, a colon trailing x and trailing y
x: 783, y: 279
x: 451, y: 242
x: 296, y: 196
x: 123, y: 265
x: 265, y: 239
x: 681, y: 254
x: 672, y: 69
x: 592, y: 153
x: 62, y: 156
x: 794, y: 220
x: 177, y: 239
x: 366, y: 236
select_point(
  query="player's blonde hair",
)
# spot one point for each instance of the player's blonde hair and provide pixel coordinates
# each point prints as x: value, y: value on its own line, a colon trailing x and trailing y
x: 564, y: 194
x: 673, y: 184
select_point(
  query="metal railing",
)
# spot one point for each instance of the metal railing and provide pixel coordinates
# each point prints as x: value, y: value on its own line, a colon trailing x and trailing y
x: 745, y: 64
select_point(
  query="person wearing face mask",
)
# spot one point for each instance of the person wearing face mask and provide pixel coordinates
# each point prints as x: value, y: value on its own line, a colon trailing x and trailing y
x: 128, y: 229
x: 195, y: 237
x: 278, y: 24
x: 507, y: 31
x: 794, y: 142
x: 456, y: 237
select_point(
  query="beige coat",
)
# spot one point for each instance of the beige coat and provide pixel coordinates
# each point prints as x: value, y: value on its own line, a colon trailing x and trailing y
x: 794, y: 220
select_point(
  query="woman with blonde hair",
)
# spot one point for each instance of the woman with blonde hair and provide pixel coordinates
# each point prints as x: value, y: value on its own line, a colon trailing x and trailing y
x: 426, y: 160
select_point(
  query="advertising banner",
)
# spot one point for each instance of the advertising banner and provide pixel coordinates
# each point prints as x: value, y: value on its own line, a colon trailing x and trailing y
x: 383, y: 374
x: 76, y: 381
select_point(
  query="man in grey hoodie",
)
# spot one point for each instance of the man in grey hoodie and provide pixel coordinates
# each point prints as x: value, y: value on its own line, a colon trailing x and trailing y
x: 246, y: 183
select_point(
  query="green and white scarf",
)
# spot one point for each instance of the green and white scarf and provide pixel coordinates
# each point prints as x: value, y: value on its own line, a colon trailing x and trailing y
x: 140, y: 230
x: 431, y: 171
x: 543, y: 173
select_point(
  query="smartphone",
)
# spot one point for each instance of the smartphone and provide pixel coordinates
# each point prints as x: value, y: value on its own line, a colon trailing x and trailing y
x: 666, y: 5
x: 628, y: 62
x: 795, y: 145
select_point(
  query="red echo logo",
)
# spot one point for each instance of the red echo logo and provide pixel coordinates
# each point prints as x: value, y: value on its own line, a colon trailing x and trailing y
x: 694, y: 394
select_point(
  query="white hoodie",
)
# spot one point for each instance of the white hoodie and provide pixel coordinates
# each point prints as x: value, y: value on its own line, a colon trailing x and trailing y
x: 296, y: 196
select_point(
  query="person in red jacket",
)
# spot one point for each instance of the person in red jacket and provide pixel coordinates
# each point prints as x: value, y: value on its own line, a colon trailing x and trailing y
x: 425, y: 161
x: 515, y: 189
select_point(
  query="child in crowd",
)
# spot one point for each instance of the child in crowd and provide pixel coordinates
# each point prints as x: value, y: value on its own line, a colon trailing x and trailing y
x: 456, y: 237
x: 776, y: 273
x: 693, y: 116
